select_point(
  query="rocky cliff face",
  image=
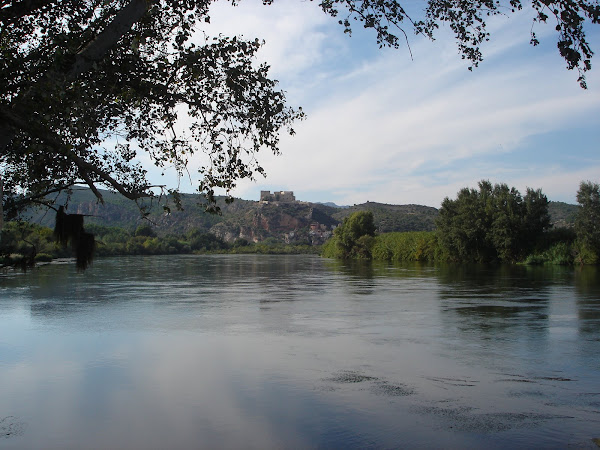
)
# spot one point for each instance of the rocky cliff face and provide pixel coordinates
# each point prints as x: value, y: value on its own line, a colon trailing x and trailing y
x: 109, y: 212
x: 293, y: 223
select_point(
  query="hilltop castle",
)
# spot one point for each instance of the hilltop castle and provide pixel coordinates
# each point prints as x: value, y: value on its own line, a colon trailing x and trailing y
x: 280, y: 196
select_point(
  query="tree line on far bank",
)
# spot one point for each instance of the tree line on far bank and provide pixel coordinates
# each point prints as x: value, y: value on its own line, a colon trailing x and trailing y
x: 24, y: 243
x: 493, y: 223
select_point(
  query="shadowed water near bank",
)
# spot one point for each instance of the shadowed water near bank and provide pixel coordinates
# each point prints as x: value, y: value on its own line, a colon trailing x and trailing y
x: 261, y: 351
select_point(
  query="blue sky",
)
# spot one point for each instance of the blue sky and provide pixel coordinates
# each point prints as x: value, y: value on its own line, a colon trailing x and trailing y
x: 382, y: 127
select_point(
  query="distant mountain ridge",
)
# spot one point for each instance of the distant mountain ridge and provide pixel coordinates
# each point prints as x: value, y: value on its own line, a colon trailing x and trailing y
x: 390, y: 218
x: 333, y: 205
x: 289, y: 222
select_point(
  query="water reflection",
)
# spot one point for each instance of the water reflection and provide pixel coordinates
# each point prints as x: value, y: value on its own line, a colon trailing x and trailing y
x: 297, y: 351
x: 358, y: 275
x: 587, y: 284
x: 494, y: 299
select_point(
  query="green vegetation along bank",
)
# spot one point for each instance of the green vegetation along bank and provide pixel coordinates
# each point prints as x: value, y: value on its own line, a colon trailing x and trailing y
x: 491, y: 224
x: 24, y: 244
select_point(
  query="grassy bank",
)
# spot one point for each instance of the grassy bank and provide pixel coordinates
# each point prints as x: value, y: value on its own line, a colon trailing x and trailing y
x: 557, y: 247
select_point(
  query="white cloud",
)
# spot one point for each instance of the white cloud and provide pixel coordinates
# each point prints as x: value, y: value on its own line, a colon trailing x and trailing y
x: 293, y: 32
x: 384, y: 128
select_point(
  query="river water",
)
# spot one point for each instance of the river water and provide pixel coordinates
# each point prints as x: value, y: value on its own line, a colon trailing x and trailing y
x: 255, y: 351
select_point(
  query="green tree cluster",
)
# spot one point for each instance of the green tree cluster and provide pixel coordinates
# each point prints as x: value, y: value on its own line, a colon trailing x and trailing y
x: 205, y: 242
x: 144, y: 230
x: 493, y: 223
x: 587, y: 223
x: 389, y: 218
x: 354, y: 238
x: 143, y: 240
x: 24, y: 244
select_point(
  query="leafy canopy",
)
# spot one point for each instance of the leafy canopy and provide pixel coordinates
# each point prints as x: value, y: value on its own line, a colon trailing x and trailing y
x: 87, y: 85
x: 587, y: 223
x: 493, y: 223
x: 353, y: 238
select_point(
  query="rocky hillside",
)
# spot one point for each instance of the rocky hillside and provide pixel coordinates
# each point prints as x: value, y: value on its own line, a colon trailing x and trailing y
x: 297, y: 222
x: 395, y: 217
x: 563, y: 214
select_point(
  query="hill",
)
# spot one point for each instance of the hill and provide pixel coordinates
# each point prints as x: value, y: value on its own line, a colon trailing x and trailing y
x: 297, y: 222
x: 562, y: 214
x: 390, y: 218
x: 294, y: 222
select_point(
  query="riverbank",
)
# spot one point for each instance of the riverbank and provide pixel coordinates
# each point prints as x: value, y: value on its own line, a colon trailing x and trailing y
x: 26, y: 244
x: 556, y: 247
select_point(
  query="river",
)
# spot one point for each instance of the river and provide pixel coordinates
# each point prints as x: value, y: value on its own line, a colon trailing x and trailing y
x: 255, y: 351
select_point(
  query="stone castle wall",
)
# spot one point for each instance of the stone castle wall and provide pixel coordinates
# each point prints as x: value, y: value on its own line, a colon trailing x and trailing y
x: 277, y: 196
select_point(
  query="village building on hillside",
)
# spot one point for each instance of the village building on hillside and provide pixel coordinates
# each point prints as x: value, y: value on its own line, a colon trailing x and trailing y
x: 278, y: 196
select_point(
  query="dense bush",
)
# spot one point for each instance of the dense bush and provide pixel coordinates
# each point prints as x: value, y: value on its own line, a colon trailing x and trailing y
x: 587, y: 223
x: 330, y: 249
x: 354, y: 238
x: 408, y: 246
x: 493, y: 223
x: 22, y: 242
x: 560, y: 253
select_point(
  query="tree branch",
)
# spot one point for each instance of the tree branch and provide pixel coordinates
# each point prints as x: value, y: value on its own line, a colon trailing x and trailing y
x: 84, y: 60
x: 97, y: 48
x: 15, y: 205
x: 55, y: 141
x: 19, y: 9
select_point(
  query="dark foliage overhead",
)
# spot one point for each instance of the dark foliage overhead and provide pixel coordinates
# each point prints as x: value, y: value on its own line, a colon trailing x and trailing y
x: 467, y: 20
x: 85, y: 86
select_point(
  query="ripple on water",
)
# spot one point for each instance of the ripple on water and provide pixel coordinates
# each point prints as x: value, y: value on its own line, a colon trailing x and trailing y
x: 10, y: 426
x: 392, y: 390
x: 349, y: 376
x: 377, y: 385
x: 464, y: 418
x: 527, y: 393
x: 454, y: 381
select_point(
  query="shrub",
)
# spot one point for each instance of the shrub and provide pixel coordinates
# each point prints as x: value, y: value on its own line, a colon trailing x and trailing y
x: 584, y: 254
x: 43, y: 257
x: 406, y: 246
x: 560, y: 253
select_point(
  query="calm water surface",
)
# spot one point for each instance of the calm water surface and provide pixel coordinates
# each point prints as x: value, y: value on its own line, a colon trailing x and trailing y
x: 250, y: 351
